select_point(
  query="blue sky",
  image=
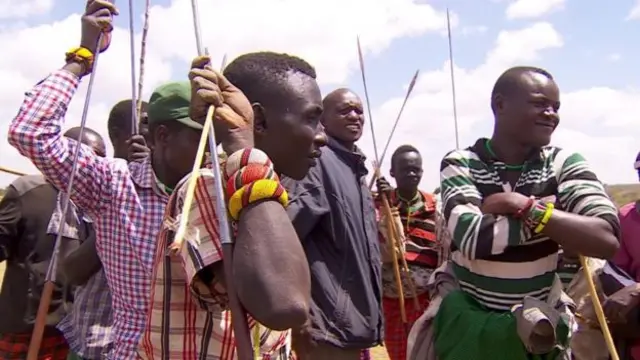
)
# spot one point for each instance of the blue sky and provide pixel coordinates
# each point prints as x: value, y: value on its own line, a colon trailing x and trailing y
x: 595, y: 55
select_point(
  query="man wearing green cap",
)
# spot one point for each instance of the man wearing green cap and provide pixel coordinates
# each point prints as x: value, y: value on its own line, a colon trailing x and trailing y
x: 125, y: 201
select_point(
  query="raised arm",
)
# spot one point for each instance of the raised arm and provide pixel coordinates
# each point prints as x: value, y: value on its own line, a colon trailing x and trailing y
x: 271, y: 275
x: 475, y: 235
x: 36, y: 131
x: 587, y: 222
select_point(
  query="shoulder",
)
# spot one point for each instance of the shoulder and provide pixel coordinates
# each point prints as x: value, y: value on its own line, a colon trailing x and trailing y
x: 24, y: 184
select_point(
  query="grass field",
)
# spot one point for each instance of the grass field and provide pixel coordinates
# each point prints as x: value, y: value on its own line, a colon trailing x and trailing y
x: 621, y: 194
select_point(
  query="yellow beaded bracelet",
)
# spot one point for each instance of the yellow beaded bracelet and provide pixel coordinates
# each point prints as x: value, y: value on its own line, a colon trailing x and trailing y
x: 545, y: 218
x: 262, y: 189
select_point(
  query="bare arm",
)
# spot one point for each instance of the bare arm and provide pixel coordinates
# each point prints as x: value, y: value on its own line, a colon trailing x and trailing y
x: 270, y: 275
x: 81, y: 264
x: 587, y: 222
x: 270, y: 267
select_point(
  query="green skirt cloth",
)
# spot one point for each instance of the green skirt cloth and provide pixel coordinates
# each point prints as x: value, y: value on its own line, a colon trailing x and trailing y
x: 465, y: 330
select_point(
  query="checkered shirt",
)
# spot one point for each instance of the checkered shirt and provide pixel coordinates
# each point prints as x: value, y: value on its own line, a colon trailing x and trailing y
x: 88, y: 327
x: 188, y: 318
x: 122, y: 199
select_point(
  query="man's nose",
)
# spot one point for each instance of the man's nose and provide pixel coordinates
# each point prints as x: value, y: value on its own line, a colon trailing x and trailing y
x: 320, y: 138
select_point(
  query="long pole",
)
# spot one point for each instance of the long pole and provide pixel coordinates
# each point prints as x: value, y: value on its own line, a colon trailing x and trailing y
x: 453, y: 81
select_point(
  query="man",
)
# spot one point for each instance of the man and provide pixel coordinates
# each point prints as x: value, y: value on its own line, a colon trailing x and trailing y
x: 120, y: 129
x: 628, y: 257
x: 125, y: 201
x: 416, y: 218
x: 87, y: 328
x: 273, y: 285
x: 30, y: 215
x: 334, y: 216
x: 619, y: 295
x: 498, y: 200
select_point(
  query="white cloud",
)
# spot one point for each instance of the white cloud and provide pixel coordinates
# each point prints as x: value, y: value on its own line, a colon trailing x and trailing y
x: 286, y: 25
x: 615, y: 57
x: 10, y: 9
x: 527, y: 9
x: 599, y: 122
x: 473, y: 30
x: 635, y: 12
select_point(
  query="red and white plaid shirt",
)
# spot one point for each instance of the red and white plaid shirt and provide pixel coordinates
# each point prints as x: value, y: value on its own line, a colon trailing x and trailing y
x: 188, y: 318
x: 123, y: 200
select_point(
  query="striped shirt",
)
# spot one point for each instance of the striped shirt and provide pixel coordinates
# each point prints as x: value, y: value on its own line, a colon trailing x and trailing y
x: 421, y: 250
x: 188, y: 316
x: 497, y: 259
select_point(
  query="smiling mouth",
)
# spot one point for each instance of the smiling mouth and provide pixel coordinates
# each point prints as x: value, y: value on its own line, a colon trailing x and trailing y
x: 354, y: 127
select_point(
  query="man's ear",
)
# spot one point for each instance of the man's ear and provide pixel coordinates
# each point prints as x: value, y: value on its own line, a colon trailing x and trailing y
x: 392, y: 173
x: 259, y: 119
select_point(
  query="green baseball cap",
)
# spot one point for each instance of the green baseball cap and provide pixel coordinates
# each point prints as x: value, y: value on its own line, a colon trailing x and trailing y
x: 170, y: 102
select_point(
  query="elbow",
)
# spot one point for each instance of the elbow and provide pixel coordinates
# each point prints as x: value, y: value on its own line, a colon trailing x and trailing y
x: 609, y: 246
x: 290, y: 315
x: 14, y: 135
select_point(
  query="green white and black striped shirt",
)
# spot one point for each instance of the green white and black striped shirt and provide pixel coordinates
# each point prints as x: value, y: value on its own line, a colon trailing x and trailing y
x: 497, y: 259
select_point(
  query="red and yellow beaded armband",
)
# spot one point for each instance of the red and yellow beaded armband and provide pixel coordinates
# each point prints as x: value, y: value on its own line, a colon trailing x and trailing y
x: 250, y: 178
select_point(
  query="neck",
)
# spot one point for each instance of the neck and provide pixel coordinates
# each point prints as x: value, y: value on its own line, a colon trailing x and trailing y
x: 508, y: 150
x: 165, y: 175
x: 407, y: 194
x: 350, y: 145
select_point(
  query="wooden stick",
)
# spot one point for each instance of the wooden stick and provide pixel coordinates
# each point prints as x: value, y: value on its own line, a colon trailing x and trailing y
x: 191, y: 186
x: 599, y: 311
x: 143, y: 53
x: 392, y: 231
x: 12, y: 172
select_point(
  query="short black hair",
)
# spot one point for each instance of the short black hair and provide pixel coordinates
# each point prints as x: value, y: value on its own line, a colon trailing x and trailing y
x: 509, y: 81
x: 402, y: 149
x: 259, y: 74
x: 120, y: 117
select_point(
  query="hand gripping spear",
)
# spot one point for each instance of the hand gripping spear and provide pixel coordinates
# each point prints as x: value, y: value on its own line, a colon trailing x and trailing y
x: 238, y: 314
x: 392, y: 239
x: 50, y: 278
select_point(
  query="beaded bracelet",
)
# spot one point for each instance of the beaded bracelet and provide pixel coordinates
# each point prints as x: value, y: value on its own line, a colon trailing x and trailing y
x: 263, y: 189
x: 545, y: 218
x: 249, y: 174
x: 535, y: 214
x: 245, y: 157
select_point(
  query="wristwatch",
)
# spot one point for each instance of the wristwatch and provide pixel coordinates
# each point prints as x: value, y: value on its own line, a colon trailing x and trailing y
x: 82, y: 56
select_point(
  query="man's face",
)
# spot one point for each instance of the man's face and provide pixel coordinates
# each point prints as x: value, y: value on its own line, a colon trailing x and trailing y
x: 291, y: 133
x: 343, y: 117
x: 407, y: 170
x: 177, y: 144
x: 531, y: 113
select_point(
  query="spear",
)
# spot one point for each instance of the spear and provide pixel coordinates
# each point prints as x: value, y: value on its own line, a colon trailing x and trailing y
x: 395, y: 124
x: 238, y: 314
x: 50, y: 278
x: 453, y: 81
x: 392, y: 239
